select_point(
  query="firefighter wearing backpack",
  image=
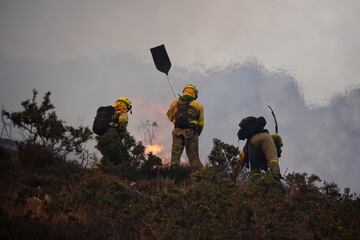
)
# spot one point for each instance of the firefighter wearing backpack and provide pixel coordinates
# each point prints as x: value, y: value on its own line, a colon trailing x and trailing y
x: 111, y: 129
x: 260, y: 152
x: 187, y: 114
x: 122, y: 107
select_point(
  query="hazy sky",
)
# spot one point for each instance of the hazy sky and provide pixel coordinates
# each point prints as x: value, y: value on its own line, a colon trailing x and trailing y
x: 243, y: 55
x: 315, y: 40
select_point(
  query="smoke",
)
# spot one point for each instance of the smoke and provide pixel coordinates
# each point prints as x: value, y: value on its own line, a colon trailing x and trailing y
x: 317, y: 39
x: 317, y: 139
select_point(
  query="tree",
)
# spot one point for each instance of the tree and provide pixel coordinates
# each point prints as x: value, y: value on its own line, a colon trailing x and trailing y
x: 222, y: 155
x: 43, y: 128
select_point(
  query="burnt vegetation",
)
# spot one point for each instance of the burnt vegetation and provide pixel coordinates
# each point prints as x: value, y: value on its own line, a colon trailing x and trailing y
x: 47, y: 195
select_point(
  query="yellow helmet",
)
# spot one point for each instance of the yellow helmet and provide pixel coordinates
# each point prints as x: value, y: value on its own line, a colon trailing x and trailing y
x: 191, y: 87
x: 124, y: 100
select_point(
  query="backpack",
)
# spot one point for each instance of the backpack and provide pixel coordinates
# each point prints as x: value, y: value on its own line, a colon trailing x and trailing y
x: 184, y: 114
x: 102, y: 119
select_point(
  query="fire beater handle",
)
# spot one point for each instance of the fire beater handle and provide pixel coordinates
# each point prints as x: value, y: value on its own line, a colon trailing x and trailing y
x: 171, y: 85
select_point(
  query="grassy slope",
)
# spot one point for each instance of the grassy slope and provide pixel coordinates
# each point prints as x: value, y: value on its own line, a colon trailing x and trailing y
x: 64, y: 201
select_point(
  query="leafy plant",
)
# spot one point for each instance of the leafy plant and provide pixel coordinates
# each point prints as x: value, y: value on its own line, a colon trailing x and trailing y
x: 43, y: 127
x: 222, y: 156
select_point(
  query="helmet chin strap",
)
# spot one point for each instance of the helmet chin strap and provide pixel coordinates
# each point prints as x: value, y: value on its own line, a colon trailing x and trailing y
x: 128, y: 106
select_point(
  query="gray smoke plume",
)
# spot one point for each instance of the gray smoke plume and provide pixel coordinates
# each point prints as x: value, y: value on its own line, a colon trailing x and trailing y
x: 318, y: 139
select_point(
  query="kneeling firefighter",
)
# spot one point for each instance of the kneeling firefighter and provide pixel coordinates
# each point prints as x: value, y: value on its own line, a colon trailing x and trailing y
x: 110, y: 125
x: 260, y: 152
x: 187, y: 114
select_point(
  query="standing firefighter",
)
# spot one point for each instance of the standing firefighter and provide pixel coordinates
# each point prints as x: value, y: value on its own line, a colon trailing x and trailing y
x: 110, y: 125
x: 187, y: 114
x: 260, y: 152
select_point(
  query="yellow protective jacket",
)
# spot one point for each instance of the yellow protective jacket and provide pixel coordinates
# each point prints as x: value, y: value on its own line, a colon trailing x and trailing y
x: 195, y: 105
x: 120, y: 116
x: 261, y: 147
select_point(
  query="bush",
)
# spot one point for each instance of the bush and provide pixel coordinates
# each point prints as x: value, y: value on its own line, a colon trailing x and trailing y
x: 165, y: 202
x: 43, y: 129
x: 222, y: 158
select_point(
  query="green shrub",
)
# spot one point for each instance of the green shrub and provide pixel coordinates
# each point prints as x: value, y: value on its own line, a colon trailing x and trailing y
x: 44, y: 131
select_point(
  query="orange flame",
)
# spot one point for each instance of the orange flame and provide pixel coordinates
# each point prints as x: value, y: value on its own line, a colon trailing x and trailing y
x: 155, y: 149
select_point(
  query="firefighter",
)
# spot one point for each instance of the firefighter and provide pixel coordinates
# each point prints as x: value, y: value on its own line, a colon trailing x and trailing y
x: 187, y: 114
x: 260, y: 152
x: 110, y: 143
x: 122, y: 107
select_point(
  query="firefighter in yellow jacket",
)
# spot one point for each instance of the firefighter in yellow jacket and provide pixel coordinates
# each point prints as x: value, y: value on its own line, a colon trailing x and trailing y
x: 187, y: 114
x: 110, y: 143
x: 122, y: 107
x: 260, y: 152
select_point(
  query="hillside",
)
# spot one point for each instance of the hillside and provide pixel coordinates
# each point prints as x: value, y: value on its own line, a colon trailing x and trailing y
x: 44, y: 195
x: 66, y: 201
